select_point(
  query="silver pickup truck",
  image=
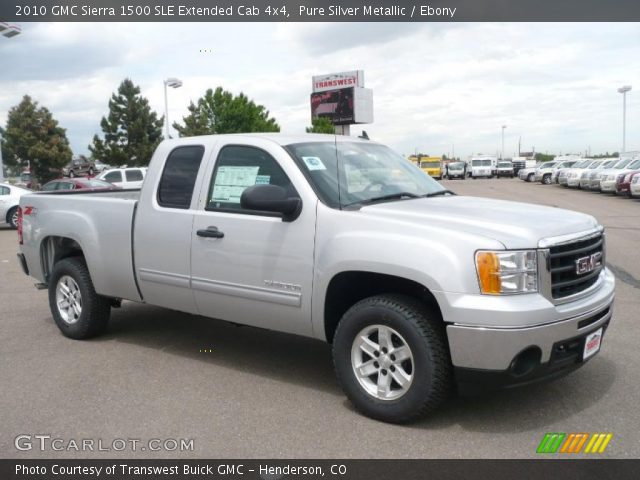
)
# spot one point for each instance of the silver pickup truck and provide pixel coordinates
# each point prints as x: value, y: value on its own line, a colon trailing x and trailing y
x: 417, y: 289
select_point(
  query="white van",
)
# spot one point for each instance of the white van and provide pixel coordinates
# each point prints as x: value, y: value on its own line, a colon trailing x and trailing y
x: 483, y: 167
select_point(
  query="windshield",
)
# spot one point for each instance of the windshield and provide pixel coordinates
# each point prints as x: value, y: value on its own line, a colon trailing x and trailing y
x: 505, y: 165
x: 367, y: 171
x: 432, y: 164
x: 609, y: 164
x: 456, y: 166
x: 635, y: 164
x: 582, y: 164
x: 622, y: 164
x: 548, y: 164
x: 480, y: 163
x: 594, y: 165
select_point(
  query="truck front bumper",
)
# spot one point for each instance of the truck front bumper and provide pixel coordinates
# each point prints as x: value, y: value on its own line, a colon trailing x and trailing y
x: 549, y: 342
x: 608, y: 186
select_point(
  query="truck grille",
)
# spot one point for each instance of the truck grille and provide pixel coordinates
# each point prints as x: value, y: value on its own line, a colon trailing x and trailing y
x: 563, y: 264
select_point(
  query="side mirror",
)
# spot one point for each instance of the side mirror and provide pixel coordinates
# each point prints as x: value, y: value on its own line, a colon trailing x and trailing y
x: 271, y: 198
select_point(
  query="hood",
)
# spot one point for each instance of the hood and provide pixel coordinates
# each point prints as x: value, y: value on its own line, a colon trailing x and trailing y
x: 515, y: 225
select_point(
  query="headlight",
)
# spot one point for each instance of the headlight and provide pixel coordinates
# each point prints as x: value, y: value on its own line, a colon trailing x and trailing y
x: 507, y: 272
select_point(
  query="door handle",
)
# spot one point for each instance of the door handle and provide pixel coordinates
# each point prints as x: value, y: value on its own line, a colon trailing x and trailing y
x: 210, y: 232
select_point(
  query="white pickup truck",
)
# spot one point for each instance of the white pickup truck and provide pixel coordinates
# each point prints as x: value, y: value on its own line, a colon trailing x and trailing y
x: 340, y: 239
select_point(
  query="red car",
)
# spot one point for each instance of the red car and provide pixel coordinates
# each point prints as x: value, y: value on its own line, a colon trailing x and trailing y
x: 623, y: 183
x: 78, y: 184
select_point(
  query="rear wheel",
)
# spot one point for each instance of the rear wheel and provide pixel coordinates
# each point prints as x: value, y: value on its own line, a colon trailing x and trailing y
x: 72, y: 174
x: 391, y: 358
x: 12, y: 218
x: 79, y: 312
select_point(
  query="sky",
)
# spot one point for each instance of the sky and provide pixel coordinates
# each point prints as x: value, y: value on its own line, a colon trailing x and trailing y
x: 437, y: 88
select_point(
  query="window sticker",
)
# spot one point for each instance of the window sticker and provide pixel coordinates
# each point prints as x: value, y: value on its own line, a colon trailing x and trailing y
x: 231, y: 181
x: 263, y: 179
x: 313, y: 163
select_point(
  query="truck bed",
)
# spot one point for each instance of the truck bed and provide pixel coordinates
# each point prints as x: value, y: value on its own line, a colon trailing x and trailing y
x: 100, y: 223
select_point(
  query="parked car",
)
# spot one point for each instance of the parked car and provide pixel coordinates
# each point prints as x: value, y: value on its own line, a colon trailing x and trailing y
x: 634, y: 188
x: 589, y: 176
x: 528, y: 174
x: 483, y: 167
x: 561, y: 176
x: 545, y: 171
x: 100, y: 167
x: 456, y: 170
x: 609, y: 178
x: 78, y: 167
x: 623, y: 183
x: 92, y: 184
x: 504, y: 169
x: 124, y: 177
x: 9, y: 202
x: 263, y: 230
x: 574, y: 174
x: 595, y: 179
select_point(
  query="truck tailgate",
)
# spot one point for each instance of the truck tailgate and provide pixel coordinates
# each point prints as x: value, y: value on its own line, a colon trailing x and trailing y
x: 100, y: 223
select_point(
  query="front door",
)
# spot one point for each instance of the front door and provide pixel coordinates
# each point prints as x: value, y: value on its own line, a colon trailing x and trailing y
x: 256, y: 269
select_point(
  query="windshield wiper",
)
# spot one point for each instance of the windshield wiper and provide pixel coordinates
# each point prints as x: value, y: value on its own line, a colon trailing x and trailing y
x: 439, y: 192
x: 391, y: 196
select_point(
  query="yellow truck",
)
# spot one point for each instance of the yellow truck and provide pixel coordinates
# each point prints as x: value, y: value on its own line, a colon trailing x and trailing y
x: 432, y: 166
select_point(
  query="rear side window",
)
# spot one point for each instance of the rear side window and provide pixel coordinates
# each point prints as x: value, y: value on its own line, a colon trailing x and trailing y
x: 113, y: 177
x: 239, y: 167
x: 179, y: 176
x: 4, y: 191
x: 134, y: 175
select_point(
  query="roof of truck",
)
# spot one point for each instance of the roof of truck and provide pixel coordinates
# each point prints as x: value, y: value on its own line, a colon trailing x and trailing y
x: 279, y: 138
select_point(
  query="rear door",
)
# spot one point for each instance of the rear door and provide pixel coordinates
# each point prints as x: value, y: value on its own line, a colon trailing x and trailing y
x: 259, y: 271
x: 163, y: 224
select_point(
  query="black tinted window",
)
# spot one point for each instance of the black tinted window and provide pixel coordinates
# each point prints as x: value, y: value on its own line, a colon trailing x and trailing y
x: 113, y: 177
x: 240, y: 167
x: 4, y: 191
x: 179, y: 177
x: 133, y: 175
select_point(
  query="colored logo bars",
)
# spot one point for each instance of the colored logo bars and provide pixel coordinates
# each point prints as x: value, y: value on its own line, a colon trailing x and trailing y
x: 574, y: 443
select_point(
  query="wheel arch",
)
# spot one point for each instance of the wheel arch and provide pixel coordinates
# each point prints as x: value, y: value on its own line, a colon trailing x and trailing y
x: 349, y: 287
x: 54, y: 248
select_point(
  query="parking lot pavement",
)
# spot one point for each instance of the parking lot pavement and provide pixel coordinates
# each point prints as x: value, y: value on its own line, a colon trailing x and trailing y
x: 260, y: 394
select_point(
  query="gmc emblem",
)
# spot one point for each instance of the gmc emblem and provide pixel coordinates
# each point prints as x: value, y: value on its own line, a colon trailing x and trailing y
x: 588, y: 264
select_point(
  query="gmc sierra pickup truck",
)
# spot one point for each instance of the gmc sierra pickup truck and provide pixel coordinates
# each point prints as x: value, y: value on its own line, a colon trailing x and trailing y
x: 417, y: 289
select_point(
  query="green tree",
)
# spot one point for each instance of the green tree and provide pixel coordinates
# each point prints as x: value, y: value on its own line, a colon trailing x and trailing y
x: 132, y: 130
x: 321, y: 125
x: 543, y: 157
x: 34, y: 139
x: 222, y: 112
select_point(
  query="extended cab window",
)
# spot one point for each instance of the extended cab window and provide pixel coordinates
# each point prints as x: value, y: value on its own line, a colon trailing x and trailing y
x: 239, y: 167
x: 133, y: 175
x: 113, y: 176
x: 179, y: 176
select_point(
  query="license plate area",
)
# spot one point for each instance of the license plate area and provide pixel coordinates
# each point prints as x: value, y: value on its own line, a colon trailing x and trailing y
x: 592, y: 343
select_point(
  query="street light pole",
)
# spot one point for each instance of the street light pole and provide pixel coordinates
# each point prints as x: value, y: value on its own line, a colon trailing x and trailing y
x: 173, y: 83
x: 502, y: 151
x: 8, y: 31
x: 623, y: 91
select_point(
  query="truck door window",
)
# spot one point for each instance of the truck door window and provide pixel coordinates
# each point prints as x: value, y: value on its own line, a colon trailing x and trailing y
x: 113, y: 177
x: 239, y: 167
x: 179, y: 176
x: 134, y: 175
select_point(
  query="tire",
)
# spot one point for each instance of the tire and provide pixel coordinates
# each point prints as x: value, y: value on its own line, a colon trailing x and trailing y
x: 72, y: 174
x: 546, y: 179
x: 12, y: 218
x: 94, y: 309
x: 427, y: 369
x: 91, y: 172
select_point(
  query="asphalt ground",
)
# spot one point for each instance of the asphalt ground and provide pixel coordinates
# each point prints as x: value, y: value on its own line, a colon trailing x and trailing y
x: 260, y: 394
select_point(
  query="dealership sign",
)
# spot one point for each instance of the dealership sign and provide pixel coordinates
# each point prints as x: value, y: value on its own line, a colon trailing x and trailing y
x: 333, y: 81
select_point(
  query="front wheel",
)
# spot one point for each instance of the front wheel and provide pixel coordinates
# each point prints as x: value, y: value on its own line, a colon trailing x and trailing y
x: 546, y: 179
x: 391, y: 358
x: 79, y: 312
